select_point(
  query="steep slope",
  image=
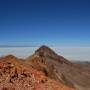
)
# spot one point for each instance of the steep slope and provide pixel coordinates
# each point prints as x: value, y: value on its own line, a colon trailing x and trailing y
x: 17, y: 75
x: 60, y: 69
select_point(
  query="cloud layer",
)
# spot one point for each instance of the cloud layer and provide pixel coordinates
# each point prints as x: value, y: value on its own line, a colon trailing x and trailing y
x: 72, y: 53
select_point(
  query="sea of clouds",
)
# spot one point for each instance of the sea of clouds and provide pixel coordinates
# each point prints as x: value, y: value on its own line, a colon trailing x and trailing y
x: 71, y: 53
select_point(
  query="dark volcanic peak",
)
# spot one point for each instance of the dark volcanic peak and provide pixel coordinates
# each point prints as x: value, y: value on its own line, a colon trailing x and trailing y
x: 44, y: 48
x: 46, y: 51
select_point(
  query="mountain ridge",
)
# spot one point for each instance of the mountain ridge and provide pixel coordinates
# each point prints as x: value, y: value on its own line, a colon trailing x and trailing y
x: 46, y: 68
x: 59, y: 68
x: 17, y: 74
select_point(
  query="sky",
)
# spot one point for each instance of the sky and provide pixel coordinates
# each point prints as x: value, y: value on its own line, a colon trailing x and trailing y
x: 50, y: 22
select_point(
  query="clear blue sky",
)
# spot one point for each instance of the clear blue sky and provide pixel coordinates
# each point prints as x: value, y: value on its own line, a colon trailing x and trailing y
x: 51, y: 22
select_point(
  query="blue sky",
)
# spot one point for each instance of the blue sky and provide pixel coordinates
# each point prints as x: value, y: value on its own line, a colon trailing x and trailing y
x: 50, y: 22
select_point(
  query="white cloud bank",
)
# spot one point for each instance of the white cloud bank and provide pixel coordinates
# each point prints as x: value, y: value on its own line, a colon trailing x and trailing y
x: 72, y: 53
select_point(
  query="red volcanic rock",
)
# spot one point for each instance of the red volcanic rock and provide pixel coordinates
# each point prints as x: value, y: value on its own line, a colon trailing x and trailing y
x: 24, y: 77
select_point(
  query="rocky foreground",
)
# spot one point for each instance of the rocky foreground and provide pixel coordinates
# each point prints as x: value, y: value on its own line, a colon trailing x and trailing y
x: 44, y: 70
x: 16, y: 75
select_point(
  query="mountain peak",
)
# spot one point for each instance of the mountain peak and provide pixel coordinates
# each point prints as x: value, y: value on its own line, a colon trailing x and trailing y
x: 44, y: 47
x: 45, y: 50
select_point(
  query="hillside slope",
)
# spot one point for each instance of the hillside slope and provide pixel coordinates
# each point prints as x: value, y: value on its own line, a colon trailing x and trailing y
x: 15, y: 74
x: 59, y: 69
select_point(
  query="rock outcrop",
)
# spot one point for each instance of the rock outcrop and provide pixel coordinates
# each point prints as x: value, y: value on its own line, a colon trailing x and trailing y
x: 15, y: 74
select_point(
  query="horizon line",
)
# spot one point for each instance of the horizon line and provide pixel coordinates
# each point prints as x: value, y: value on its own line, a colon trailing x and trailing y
x: 5, y: 46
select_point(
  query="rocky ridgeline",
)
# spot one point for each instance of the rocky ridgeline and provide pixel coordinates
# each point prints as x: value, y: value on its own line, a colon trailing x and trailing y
x: 15, y: 75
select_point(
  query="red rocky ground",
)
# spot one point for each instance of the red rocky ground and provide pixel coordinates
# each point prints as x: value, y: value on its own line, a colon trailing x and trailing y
x: 16, y: 75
